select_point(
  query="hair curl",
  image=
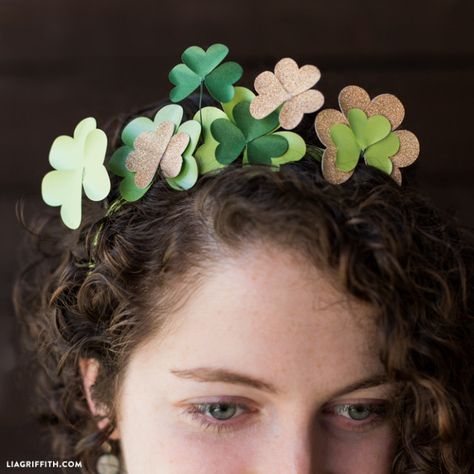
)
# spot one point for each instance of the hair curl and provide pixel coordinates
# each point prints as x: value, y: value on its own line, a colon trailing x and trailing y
x: 386, y: 245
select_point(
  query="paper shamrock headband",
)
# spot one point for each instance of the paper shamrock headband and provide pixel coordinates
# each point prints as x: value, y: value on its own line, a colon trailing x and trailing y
x: 246, y: 125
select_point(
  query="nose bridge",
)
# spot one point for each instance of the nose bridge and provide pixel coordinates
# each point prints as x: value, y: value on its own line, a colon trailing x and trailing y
x: 294, y: 448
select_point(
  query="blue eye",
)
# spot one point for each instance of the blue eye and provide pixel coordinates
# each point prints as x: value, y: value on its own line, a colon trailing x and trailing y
x: 221, y: 411
x: 360, y: 411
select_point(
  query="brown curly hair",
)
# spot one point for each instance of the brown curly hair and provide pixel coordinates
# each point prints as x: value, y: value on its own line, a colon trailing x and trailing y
x: 385, y: 244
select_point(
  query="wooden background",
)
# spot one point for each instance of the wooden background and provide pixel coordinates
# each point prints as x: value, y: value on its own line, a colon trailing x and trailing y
x: 62, y: 60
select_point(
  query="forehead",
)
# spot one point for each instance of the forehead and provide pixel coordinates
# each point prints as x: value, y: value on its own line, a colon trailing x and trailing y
x: 266, y: 311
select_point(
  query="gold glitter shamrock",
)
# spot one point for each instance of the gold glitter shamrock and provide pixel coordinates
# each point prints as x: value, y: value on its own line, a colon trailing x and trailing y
x: 160, y: 147
x: 290, y: 86
x: 364, y: 127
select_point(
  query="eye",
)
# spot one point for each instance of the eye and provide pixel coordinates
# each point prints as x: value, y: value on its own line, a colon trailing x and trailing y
x: 221, y: 411
x: 358, y: 416
x: 221, y: 415
x: 355, y: 412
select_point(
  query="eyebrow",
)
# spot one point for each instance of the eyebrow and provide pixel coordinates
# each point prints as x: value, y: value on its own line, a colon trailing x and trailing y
x: 216, y: 374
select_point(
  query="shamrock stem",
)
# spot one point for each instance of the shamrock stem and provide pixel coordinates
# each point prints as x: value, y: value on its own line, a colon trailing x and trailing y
x: 200, y: 104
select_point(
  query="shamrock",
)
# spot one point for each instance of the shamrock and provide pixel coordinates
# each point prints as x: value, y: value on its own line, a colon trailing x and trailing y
x: 365, y: 127
x: 203, y: 67
x: 78, y: 163
x: 290, y: 86
x: 231, y: 131
x: 149, y: 144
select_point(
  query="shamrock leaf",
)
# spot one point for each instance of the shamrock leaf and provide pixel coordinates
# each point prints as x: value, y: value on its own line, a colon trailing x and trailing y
x: 78, y: 163
x: 227, y: 134
x: 203, y: 67
x: 348, y: 149
x: 149, y: 144
x: 364, y: 126
x: 289, y: 87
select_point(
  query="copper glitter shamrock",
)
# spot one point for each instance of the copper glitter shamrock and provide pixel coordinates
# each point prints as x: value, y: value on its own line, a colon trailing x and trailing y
x: 159, y: 147
x: 364, y: 127
x: 290, y: 86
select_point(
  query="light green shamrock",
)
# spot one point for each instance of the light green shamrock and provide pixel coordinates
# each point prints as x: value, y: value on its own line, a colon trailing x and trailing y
x: 201, y: 67
x: 231, y: 131
x: 370, y: 136
x: 78, y: 163
x: 131, y: 135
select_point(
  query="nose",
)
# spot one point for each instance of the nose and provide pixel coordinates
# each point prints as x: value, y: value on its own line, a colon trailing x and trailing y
x: 292, y: 450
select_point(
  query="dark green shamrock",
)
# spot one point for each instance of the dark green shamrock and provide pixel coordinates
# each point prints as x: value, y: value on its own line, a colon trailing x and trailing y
x: 203, y: 67
x: 230, y: 131
x: 250, y: 133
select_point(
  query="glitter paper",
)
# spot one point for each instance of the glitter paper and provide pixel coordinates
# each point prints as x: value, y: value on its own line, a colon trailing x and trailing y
x: 149, y: 149
x: 389, y: 106
x: 330, y: 171
x: 293, y: 110
x: 172, y: 160
x: 353, y: 97
x: 409, y: 149
x: 291, y: 86
x: 324, y: 121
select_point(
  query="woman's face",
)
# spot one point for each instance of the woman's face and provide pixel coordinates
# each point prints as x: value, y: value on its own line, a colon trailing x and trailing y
x: 268, y: 369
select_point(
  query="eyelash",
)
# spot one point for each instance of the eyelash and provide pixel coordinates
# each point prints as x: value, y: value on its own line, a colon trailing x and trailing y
x: 197, y: 412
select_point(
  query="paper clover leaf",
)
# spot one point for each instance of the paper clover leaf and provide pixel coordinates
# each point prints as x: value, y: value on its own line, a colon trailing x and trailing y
x: 204, y: 67
x: 366, y: 127
x: 231, y: 131
x: 78, y: 163
x: 290, y: 86
x: 149, y: 144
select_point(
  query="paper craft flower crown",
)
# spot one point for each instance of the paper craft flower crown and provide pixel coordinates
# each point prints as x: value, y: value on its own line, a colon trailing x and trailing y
x: 248, y: 124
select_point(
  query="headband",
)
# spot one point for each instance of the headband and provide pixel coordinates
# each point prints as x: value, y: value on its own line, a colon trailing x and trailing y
x: 252, y: 125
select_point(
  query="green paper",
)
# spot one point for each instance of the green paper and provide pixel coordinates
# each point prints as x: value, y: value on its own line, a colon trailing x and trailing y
x: 242, y: 94
x: 263, y: 149
x: 296, y: 148
x: 95, y: 178
x: 188, y: 175
x: 128, y: 189
x: 193, y: 129
x: 368, y: 130
x: 135, y: 127
x: 171, y: 112
x: 203, y: 62
x: 220, y: 82
x: 378, y: 154
x: 185, y: 80
x: 251, y: 127
x: 230, y: 138
x: 203, y: 67
x: 78, y: 163
x: 383, y: 163
x: 206, y: 153
x: 348, y: 150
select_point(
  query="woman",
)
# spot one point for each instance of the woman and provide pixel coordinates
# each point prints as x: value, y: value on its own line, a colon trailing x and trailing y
x: 260, y: 322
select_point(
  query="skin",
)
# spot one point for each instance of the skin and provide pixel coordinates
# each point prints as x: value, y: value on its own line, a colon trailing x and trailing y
x: 274, y: 318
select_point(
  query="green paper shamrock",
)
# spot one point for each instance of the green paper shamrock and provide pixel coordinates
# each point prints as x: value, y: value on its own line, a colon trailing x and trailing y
x: 78, y: 163
x: 203, y: 67
x: 134, y: 130
x: 231, y: 131
x: 372, y: 137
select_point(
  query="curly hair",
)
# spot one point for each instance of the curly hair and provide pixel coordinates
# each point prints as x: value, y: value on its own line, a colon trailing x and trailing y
x: 384, y: 244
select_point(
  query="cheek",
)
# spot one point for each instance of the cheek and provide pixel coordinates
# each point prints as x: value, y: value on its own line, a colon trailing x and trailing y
x: 154, y: 440
x: 369, y: 454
